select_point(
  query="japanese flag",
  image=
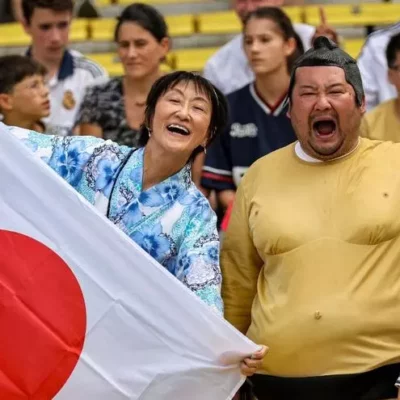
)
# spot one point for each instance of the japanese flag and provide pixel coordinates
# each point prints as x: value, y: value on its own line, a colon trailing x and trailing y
x: 86, y: 314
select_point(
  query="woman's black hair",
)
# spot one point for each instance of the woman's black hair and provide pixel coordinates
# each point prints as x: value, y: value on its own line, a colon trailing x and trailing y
x: 219, y: 105
x: 145, y: 16
x: 285, y: 26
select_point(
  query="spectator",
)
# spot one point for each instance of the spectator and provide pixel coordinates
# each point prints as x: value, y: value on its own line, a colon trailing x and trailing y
x: 373, y: 67
x: 311, y: 258
x: 383, y: 122
x: 258, y: 112
x: 24, y: 96
x: 115, y: 110
x: 48, y: 23
x: 228, y: 69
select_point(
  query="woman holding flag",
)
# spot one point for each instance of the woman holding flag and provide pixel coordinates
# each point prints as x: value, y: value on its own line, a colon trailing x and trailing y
x: 148, y: 192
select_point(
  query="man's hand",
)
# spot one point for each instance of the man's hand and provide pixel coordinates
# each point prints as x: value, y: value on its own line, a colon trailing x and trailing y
x: 250, y: 365
x: 323, y: 29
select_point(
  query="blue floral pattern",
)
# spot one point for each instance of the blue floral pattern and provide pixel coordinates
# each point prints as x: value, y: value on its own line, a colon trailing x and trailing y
x: 171, y: 221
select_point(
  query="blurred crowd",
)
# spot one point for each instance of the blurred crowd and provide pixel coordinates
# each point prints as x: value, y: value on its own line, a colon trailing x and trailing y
x: 56, y: 90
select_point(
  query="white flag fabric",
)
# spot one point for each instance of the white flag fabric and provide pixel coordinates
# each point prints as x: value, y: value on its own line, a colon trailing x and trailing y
x: 65, y: 269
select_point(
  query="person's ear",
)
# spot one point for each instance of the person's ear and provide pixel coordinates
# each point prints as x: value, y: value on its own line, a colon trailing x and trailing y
x: 363, y: 106
x: 289, y: 111
x: 165, y: 45
x: 290, y: 47
x: 6, y: 102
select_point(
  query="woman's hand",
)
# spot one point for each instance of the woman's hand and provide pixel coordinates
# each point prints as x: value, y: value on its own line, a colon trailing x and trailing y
x: 250, y: 365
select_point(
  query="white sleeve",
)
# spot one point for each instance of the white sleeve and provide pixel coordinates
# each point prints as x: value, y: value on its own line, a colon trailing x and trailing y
x: 211, y: 74
x: 366, y: 64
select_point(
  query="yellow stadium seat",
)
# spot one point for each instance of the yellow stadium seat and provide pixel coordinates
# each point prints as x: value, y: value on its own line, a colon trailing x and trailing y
x: 13, y: 34
x: 180, y: 25
x: 79, y: 30
x: 104, y: 3
x: 127, y: 2
x: 226, y: 22
x: 222, y: 22
x: 295, y: 13
x: 353, y: 46
x: 102, y: 29
x: 192, y: 59
x: 354, y: 15
x: 111, y: 63
x: 382, y: 13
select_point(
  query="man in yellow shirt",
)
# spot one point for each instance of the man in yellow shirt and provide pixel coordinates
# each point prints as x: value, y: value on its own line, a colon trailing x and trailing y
x: 383, y: 122
x: 311, y: 259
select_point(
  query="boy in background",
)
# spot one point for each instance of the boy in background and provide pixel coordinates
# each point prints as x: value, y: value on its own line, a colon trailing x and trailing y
x: 24, y: 95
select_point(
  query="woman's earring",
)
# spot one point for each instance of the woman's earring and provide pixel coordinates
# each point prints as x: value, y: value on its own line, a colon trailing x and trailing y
x: 149, y: 130
x: 205, y: 149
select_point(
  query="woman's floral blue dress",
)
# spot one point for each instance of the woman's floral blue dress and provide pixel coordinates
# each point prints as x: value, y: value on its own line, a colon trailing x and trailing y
x: 172, y: 221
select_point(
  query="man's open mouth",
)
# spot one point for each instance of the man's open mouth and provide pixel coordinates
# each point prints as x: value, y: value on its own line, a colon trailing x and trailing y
x: 324, y: 127
x: 179, y: 129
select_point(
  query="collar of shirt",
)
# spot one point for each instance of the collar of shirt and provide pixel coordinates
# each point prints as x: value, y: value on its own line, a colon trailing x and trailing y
x: 300, y: 153
x: 129, y: 188
x: 66, y: 68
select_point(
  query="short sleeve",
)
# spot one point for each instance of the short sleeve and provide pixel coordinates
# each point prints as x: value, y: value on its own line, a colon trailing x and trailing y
x: 217, y: 170
x: 211, y: 74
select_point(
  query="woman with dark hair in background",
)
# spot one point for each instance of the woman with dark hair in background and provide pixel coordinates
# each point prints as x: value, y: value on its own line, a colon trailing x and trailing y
x: 115, y: 110
x: 258, y: 112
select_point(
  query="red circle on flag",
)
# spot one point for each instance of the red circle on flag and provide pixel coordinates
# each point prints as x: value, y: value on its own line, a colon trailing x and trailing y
x: 42, y: 319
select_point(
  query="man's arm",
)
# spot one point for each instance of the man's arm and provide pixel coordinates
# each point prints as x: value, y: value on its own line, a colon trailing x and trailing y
x: 240, y: 264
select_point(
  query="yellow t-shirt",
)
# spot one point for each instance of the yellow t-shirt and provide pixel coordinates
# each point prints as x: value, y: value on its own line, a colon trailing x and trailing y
x: 382, y: 123
x: 311, y: 261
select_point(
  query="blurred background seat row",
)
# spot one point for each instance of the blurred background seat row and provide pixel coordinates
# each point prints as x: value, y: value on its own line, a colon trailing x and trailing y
x: 197, y: 35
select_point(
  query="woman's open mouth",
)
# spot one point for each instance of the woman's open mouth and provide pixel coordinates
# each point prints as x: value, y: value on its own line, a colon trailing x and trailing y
x: 178, y: 129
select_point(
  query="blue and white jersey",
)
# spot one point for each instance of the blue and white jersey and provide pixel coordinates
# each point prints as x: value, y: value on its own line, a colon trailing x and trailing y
x: 172, y: 221
x: 255, y: 129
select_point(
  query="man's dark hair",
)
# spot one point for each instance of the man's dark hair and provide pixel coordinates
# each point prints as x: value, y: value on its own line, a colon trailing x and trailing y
x: 392, y: 49
x: 14, y: 69
x: 149, y: 18
x: 326, y: 53
x: 285, y: 26
x: 219, y: 113
x: 28, y: 6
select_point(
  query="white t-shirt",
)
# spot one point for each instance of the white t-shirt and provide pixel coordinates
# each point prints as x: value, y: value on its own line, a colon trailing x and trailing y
x: 373, y: 67
x: 229, y: 70
x: 67, y: 89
